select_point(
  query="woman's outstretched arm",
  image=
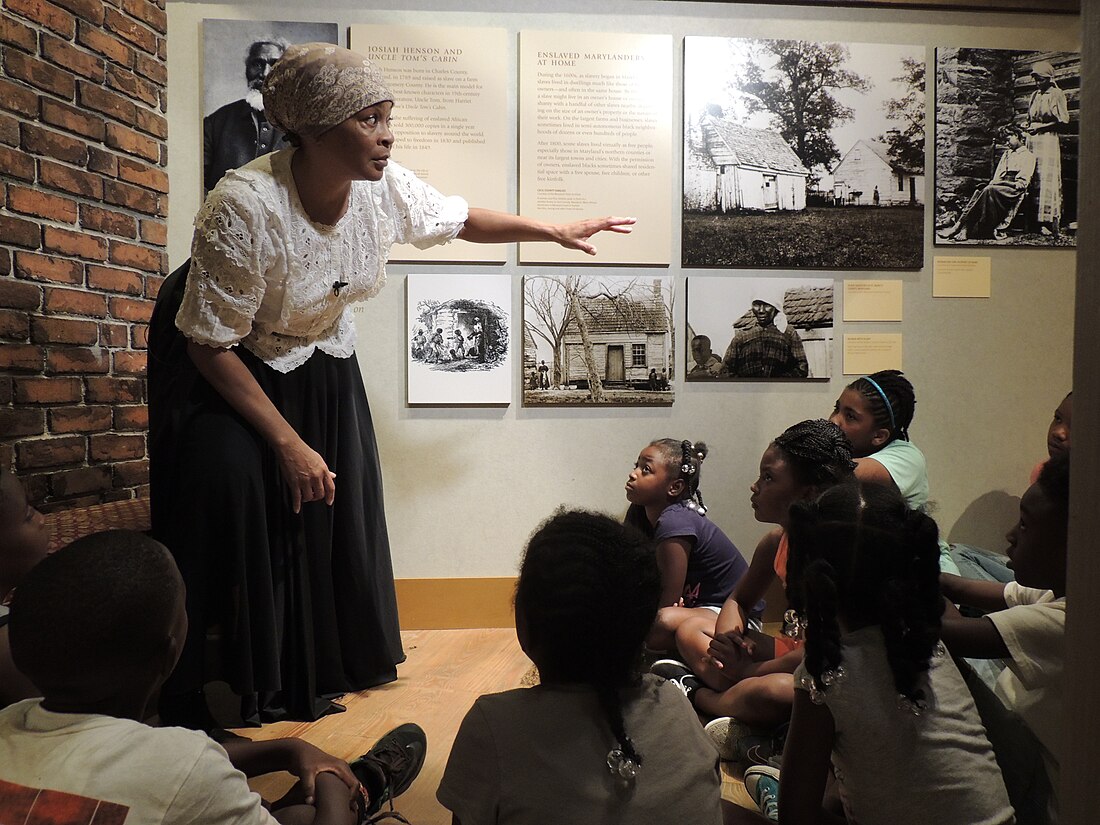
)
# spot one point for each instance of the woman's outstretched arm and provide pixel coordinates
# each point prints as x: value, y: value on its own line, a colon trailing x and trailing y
x: 489, y: 226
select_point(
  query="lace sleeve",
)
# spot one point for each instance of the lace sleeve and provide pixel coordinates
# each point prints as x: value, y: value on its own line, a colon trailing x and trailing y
x: 230, y: 252
x: 424, y: 216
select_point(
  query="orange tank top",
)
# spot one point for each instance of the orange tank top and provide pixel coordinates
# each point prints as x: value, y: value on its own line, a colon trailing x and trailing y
x: 783, y: 644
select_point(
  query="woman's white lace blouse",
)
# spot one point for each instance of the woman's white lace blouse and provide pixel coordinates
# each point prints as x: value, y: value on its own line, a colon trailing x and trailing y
x: 265, y: 276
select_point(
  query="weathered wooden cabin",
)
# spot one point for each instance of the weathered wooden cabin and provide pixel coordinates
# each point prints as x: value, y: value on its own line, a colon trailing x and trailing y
x: 630, y: 336
x: 728, y: 166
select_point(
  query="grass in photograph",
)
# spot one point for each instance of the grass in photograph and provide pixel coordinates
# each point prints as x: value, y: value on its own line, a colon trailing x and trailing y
x: 853, y: 237
x: 581, y: 398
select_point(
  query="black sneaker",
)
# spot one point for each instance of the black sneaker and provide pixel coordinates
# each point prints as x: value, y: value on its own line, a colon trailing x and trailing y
x: 678, y: 674
x: 390, y: 766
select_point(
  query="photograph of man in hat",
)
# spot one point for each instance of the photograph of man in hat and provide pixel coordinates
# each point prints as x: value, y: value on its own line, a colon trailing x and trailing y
x: 764, y: 351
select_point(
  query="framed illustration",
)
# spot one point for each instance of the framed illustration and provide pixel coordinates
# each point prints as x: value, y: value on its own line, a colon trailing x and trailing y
x: 1007, y: 145
x: 237, y: 55
x: 459, y: 333
x: 759, y: 328
x: 803, y: 154
x: 597, y: 339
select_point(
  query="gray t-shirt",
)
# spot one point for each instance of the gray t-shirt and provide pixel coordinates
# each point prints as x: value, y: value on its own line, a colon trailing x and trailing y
x: 537, y: 755
x: 895, y: 768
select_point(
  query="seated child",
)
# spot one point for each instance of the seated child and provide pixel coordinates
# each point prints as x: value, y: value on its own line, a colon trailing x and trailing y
x: 1057, y: 433
x: 979, y: 563
x: 875, y: 412
x: 876, y: 695
x: 707, y: 364
x: 699, y: 565
x: 23, y: 542
x: 735, y: 676
x: 1025, y: 624
x: 594, y: 741
x: 97, y: 627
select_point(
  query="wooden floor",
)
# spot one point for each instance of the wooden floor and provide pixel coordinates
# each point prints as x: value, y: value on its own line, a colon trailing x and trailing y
x: 445, y: 672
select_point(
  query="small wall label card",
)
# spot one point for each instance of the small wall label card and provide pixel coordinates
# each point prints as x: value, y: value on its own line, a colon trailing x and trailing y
x: 451, y: 90
x: 595, y: 138
x: 864, y: 354
x: 872, y: 300
x: 958, y: 277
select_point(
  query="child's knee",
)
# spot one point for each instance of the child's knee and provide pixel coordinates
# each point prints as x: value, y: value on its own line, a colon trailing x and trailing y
x: 691, y: 635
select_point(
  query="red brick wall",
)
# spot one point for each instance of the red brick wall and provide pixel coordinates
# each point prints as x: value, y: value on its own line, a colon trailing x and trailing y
x: 83, y: 208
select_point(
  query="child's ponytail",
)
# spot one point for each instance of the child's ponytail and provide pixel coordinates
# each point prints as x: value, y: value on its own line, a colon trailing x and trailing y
x: 911, y: 606
x: 858, y: 550
x: 823, y: 645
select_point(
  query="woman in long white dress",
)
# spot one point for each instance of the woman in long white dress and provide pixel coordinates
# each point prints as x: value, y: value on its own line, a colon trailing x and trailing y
x: 265, y: 475
x: 1046, y: 113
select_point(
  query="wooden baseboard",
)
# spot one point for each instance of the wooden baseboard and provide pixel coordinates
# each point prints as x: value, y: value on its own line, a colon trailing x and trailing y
x: 456, y: 604
x: 452, y: 604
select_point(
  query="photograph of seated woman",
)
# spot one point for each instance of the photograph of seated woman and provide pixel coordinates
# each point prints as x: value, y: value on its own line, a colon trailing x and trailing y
x: 992, y: 207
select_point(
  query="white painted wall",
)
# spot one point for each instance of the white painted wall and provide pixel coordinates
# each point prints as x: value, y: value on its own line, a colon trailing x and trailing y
x: 465, y: 487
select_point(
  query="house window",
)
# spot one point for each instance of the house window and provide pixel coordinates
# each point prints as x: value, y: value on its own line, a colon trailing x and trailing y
x: 901, y: 183
x: 637, y: 355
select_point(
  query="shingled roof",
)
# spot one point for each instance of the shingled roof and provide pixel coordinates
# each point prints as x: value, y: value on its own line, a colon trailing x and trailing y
x: 605, y: 314
x: 806, y: 307
x: 762, y: 148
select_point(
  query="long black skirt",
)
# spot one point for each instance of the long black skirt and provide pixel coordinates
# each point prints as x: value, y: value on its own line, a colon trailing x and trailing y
x: 304, y: 603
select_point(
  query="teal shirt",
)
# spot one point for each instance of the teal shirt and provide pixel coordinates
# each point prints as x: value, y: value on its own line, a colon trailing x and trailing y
x: 906, y: 465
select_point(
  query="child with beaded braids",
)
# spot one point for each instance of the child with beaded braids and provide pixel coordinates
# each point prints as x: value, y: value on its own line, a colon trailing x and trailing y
x: 699, y: 564
x: 727, y: 671
x: 594, y: 742
x: 876, y: 695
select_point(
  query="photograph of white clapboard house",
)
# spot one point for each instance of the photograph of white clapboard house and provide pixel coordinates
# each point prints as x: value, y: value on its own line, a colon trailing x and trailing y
x: 867, y: 175
x: 598, y: 340
x: 767, y: 123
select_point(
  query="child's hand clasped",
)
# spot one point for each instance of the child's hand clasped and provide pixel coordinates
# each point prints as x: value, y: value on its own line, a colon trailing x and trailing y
x: 730, y: 652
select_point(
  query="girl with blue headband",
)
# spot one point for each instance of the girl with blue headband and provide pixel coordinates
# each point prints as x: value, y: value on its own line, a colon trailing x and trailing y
x: 875, y: 412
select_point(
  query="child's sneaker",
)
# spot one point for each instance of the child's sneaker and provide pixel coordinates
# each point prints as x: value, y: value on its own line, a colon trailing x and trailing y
x: 390, y: 766
x: 678, y: 674
x: 766, y: 749
x: 727, y: 733
x: 762, y: 784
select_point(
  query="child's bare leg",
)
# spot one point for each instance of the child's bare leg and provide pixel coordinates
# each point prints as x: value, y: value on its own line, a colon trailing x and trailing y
x: 757, y: 700
x: 692, y: 642
x: 662, y: 636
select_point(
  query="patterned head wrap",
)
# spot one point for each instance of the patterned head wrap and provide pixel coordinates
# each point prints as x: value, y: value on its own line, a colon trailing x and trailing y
x: 315, y: 86
x: 1043, y: 69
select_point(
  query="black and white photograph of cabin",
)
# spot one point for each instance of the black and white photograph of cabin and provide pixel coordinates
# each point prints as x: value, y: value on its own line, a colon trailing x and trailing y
x: 759, y: 329
x: 597, y: 340
x: 803, y: 155
x: 1007, y: 145
x: 459, y: 330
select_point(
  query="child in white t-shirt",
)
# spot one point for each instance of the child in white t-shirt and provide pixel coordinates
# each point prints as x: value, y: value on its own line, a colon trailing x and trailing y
x: 97, y: 627
x: 1025, y: 626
